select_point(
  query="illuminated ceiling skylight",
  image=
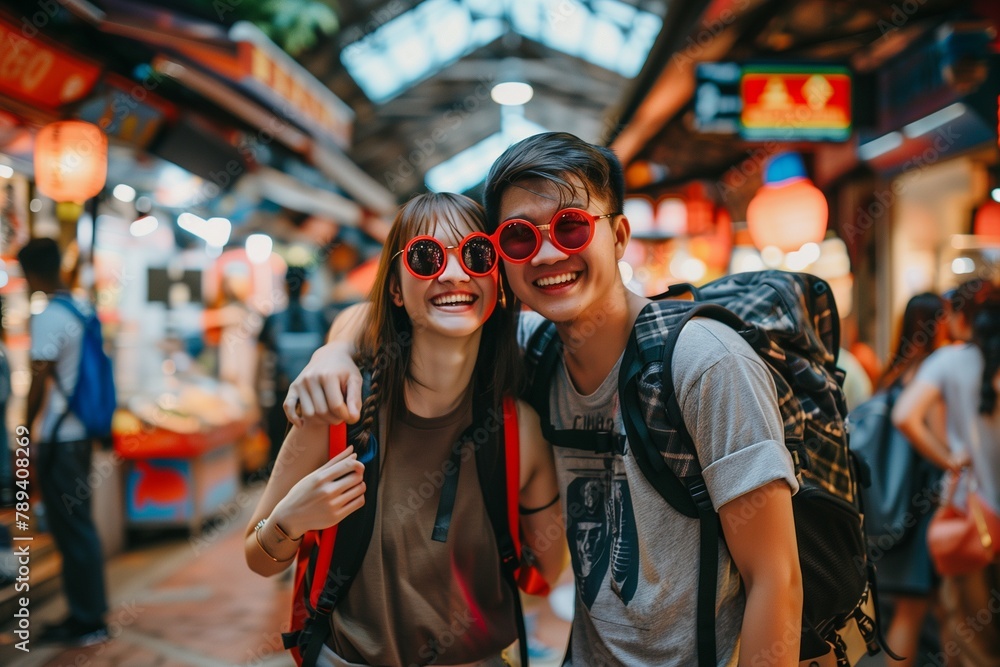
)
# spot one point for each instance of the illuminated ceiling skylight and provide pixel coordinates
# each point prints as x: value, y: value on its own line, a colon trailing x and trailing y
x: 467, y: 169
x: 418, y: 43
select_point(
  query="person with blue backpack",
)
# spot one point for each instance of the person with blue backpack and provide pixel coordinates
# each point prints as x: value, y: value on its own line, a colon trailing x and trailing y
x: 72, y: 397
x: 679, y: 442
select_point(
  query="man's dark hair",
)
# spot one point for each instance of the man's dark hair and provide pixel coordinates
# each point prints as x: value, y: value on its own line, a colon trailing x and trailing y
x: 41, y: 258
x: 560, y: 158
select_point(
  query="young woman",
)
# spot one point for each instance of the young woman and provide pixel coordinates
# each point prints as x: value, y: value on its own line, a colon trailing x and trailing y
x: 905, y: 571
x: 964, y: 378
x: 437, y: 333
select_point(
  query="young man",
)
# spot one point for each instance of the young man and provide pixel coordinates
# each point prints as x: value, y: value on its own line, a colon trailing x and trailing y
x: 63, y: 448
x: 634, y: 557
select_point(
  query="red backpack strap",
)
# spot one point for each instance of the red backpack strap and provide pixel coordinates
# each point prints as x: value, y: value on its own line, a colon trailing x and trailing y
x: 327, y: 538
x: 322, y: 541
x: 528, y: 578
x: 512, y: 457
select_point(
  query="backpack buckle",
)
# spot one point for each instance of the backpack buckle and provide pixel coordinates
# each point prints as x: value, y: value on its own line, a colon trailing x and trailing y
x: 290, y: 640
x: 699, y: 493
x: 609, y: 442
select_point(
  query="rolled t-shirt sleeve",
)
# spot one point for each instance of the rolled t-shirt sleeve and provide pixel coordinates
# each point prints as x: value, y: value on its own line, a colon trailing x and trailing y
x: 730, y: 408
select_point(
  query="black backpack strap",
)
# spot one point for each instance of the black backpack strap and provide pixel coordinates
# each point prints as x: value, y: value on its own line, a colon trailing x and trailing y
x: 655, y: 469
x: 354, y: 534
x: 711, y: 530
x: 491, y: 465
x: 711, y: 311
x: 542, y: 354
x: 66, y: 302
x: 690, y: 499
x: 689, y: 496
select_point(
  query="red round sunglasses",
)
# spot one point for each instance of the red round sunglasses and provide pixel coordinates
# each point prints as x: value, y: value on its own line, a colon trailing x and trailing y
x: 424, y: 256
x: 570, y: 230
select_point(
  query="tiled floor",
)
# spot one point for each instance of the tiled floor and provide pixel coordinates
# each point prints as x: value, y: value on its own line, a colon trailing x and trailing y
x: 193, y: 603
x: 208, y: 610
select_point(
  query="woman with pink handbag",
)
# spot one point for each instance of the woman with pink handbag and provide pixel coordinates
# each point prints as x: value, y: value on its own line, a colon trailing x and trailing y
x: 965, y: 533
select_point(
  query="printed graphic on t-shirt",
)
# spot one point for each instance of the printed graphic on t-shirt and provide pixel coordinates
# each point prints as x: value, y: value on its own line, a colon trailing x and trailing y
x: 601, y: 530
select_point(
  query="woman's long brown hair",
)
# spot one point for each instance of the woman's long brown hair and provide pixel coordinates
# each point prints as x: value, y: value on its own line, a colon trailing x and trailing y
x: 918, y: 336
x: 387, y: 336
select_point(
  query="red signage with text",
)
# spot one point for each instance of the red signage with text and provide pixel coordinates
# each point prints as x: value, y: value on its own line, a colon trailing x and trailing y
x: 811, y: 104
x: 35, y: 72
x: 314, y: 103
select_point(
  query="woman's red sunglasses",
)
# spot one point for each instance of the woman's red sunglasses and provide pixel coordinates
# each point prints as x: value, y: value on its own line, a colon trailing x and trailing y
x: 570, y: 230
x: 425, y: 256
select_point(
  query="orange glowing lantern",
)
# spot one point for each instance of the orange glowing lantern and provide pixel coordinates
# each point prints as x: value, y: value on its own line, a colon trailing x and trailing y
x: 71, y: 160
x: 987, y: 222
x: 700, y: 211
x: 787, y: 215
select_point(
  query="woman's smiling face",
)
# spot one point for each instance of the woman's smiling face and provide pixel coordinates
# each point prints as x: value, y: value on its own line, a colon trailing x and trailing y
x: 453, y: 304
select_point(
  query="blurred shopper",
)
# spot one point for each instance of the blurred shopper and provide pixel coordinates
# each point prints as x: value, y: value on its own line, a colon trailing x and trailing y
x: 857, y: 386
x: 964, y: 379
x: 287, y: 340
x: 905, y: 571
x: 63, y: 448
x: 439, y: 341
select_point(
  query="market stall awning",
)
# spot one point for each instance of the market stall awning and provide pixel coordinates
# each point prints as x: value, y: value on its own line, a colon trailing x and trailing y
x: 247, y: 75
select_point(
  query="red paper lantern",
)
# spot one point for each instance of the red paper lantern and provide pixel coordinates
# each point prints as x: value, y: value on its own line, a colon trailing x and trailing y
x: 987, y: 222
x: 787, y: 216
x: 71, y: 160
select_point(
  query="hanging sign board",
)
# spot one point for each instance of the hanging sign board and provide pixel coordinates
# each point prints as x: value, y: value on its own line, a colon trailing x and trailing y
x: 34, y: 71
x: 796, y: 103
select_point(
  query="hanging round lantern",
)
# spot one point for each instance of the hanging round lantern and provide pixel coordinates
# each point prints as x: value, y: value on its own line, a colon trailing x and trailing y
x: 788, y: 211
x: 700, y: 210
x: 71, y: 160
x: 987, y: 222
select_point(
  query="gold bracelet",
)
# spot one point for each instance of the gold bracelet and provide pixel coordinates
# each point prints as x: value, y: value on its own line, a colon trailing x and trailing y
x: 256, y: 532
x: 284, y: 535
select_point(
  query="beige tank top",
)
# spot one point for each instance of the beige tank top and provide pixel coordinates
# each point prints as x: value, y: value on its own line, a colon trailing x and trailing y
x: 416, y: 600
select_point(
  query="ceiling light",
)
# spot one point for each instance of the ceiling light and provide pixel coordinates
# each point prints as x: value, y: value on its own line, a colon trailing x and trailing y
x: 143, y: 226
x: 259, y: 248
x: 512, y: 93
x: 934, y: 120
x: 883, y: 144
x: 125, y: 193
x: 214, y: 231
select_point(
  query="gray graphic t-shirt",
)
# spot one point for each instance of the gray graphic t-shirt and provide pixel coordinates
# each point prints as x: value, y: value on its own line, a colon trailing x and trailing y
x: 635, y: 559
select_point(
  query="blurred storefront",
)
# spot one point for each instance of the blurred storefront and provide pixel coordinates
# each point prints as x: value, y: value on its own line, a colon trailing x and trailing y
x: 226, y: 163
x: 892, y: 112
